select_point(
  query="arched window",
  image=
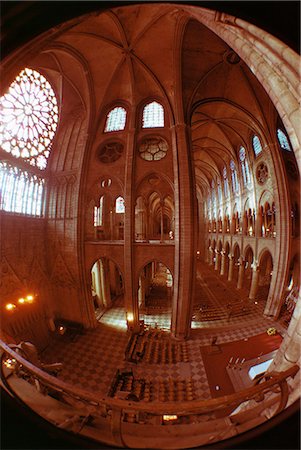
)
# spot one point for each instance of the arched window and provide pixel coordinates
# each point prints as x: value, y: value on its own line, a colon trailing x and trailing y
x: 257, y: 147
x: 283, y: 140
x: 226, y: 183
x: 119, y: 205
x: 29, y: 117
x: 235, y: 185
x: 20, y: 192
x: 219, y: 193
x: 244, y: 166
x: 98, y: 213
x: 209, y: 207
x: 153, y: 115
x: 116, y: 119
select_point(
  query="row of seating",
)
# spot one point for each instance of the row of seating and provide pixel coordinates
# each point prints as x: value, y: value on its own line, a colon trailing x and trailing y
x: 219, y: 313
x: 127, y: 387
x: 165, y: 352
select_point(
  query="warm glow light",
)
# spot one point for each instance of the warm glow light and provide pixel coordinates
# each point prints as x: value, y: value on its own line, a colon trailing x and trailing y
x: 21, y: 300
x: 169, y: 417
x: 10, y: 363
x: 29, y: 298
x: 10, y: 306
x: 130, y: 317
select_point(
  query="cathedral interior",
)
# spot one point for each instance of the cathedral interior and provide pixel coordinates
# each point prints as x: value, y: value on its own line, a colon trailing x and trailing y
x: 150, y: 221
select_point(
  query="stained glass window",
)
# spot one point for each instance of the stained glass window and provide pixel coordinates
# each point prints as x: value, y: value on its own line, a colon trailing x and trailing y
x: 235, y: 185
x: 28, y: 118
x: 244, y: 166
x: 119, y: 205
x: 226, y: 183
x: 116, y: 119
x: 219, y: 193
x: 283, y: 140
x: 256, y: 145
x: 153, y: 115
x: 20, y: 192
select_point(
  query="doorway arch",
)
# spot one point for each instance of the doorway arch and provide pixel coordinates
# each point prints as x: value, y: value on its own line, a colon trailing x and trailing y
x: 107, y: 284
x: 155, y: 290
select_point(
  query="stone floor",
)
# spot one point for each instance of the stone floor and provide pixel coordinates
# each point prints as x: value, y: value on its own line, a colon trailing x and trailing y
x: 92, y: 359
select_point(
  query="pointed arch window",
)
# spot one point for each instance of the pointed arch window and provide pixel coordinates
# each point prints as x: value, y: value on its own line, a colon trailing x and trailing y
x: 29, y: 118
x: 119, y: 205
x: 234, y: 178
x: 219, y: 193
x: 153, y: 115
x: 283, y: 140
x: 98, y: 213
x: 209, y: 207
x: 244, y: 166
x: 257, y: 147
x: 116, y: 119
x: 226, y: 183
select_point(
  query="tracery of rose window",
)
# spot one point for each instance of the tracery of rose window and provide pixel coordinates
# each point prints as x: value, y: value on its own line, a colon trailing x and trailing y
x: 28, y: 118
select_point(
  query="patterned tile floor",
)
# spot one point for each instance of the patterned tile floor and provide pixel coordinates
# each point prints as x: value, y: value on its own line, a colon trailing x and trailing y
x: 91, y: 361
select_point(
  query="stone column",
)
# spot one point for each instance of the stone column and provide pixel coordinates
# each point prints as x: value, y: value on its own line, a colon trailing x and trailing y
x: 217, y: 256
x: 98, y: 289
x: 254, y: 282
x: 105, y: 282
x: 141, y: 291
x: 185, y: 231
x: 223, y: 256
x: 231, y: 264
x: 210, y: 250
x: 112, y: 224
x: 130, y: 275
x: 241, y: 273
x: 161, y: 222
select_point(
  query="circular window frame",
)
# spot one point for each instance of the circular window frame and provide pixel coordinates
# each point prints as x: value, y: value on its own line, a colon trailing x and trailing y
x: 148, y: 138
x: 112, y: 142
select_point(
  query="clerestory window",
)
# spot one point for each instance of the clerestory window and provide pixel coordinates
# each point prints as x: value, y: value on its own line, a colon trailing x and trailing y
x: 257, y: 147
x: 153, y: 115
x: 116, y: 119
x: 234, y: 178
x: 244, y: 166
x: 283, y: 140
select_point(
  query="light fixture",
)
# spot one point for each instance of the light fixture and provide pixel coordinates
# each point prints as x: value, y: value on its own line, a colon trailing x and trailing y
x: 29, y: 298
x: 21, y: 300
x: 62, y: 330
x: 10, y: 306
x: 130, y: 317
x: 169, y: 417
x: 10, y: 363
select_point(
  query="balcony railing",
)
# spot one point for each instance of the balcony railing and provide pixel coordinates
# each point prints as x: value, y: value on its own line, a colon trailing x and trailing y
x: 139, y: 424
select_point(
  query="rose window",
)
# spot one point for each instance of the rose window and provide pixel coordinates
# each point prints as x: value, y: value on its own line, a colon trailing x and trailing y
x: 153, y: 149
x: 29, y: 117
x: 262, y: 173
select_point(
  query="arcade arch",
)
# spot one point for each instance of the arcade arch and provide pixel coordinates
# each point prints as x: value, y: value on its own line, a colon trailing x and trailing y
x: 106, y: 284
x: 155, y: 291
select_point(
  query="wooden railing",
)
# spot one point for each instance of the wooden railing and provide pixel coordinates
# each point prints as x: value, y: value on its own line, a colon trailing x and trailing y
x: 121, y: 415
